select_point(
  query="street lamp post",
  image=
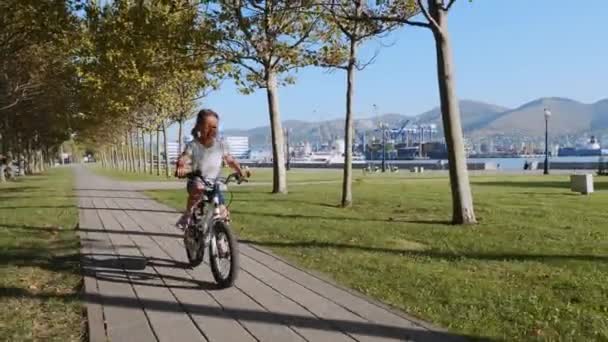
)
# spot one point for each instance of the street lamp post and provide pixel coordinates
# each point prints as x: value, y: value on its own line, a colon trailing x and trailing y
x: 287, y: 166
x: 547, y: 115
x: 382, y: 128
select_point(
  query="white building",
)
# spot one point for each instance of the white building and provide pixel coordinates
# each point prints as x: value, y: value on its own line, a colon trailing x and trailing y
x: 172, y: 150
x: 238, y: 146
x: 338, y: 146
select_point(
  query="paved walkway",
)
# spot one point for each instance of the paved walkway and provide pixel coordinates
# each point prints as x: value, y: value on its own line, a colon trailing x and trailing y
x: 139, y: 288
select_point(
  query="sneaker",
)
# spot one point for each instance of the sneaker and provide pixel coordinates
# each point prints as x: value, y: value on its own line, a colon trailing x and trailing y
x: 183, y: 222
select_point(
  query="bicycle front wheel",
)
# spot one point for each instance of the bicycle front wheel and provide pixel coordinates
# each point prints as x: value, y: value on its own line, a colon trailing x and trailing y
x: 224, y: 255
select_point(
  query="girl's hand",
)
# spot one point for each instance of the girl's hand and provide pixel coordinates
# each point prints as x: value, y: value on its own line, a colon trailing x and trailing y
x: 180, y: 170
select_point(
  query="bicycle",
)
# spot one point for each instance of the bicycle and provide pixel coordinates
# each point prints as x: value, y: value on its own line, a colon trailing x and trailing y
x: 208, y: 229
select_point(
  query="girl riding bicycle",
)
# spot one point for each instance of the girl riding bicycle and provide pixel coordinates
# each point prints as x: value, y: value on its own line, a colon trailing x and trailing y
x: 206, y: 154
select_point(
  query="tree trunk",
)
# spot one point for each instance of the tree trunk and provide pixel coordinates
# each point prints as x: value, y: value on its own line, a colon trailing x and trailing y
x: 116, y: 157
x: 28, y: 156
x: 279, y: 176
x: 115, y: 163
x: 462, y: 198
x: 179, y: 139
x: 150, y: 141
x: 132, y: 152
x: 112, y: 165
x: 20, y: 156
x: 347, y: 182
x: 44, y: 157
x: 35, y: 162
x: 2, y: 167
x: 102, y: 158
x: 123, y: 156
x: 143, y: 148
x: 157, y: 152
x: 137, y: 152
x: 127, y: 153
x: 40, y: 160
x: 166, y: 144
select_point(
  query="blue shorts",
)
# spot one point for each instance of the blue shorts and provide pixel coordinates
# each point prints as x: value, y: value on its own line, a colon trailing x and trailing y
x: 197, y: 182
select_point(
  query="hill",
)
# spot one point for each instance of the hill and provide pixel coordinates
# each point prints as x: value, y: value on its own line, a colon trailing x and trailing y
x: 478, y: 119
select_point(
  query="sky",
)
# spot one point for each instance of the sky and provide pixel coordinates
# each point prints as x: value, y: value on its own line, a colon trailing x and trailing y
x: 506, y: 52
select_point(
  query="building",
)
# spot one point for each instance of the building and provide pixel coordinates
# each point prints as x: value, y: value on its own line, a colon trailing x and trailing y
x: 238, y: 147
x: 172, y: 151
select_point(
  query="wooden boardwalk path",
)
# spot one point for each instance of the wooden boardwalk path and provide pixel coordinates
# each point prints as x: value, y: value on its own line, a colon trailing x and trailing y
x: 139, y: 288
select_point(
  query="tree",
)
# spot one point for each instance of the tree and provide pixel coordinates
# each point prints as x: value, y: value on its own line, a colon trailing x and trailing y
x: 341, y: 52
x: 188, y: 87
x: 436, y: 19
x: 143, y: 65
x: 38, y: 80
x: 265, y: 40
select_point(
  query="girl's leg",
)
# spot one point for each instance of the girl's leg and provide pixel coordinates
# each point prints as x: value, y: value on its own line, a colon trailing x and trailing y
x: 195, y: 191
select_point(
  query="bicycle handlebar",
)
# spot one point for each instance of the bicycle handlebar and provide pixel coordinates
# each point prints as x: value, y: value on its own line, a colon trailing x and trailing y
x: 236, y: 176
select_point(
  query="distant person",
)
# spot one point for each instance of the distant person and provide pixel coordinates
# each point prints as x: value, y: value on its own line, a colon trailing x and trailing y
x: 206, y: 153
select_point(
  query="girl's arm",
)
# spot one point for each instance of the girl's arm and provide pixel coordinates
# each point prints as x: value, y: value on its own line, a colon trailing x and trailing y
x: 233, y: 164
x: 180, y: 164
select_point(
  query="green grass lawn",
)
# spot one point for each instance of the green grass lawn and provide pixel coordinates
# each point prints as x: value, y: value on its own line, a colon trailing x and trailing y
x: 535, y: 268
x: 264, y: 175
x: 129, y: 176
x: 39, y: 263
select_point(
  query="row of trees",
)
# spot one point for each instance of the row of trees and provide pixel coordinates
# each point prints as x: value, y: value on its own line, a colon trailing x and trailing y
x: 38, y: 85
x: 135, y: 66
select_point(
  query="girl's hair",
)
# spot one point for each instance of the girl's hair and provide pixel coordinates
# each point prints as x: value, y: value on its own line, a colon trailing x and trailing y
x: 200, y: 118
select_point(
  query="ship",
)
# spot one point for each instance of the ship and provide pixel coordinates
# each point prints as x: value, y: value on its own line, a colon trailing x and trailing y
x: 591, y: 149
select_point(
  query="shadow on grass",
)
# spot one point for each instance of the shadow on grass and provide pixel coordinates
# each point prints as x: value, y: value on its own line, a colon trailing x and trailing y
x: 91, y: 230
x: 339, y: 218
x: 283, y: 200
x: 38, y: 207
x: 50, y: 258
x: 18, y: 189
x: 545, y: 193
x: 432, y: 254
x: 67, y: 197
x: 536, y: 184
x: 107, y: 266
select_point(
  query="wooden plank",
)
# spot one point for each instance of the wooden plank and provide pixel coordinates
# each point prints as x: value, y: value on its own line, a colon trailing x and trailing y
x: 375, y: 324
x: 235, y: 301
x: 167, y: 317
x: 95, y: 321
x: 356, y: 304
x: 388, y: 323
x: 273, y: 300
x: 218, y: 327
x: 125, y: 318
x: 339, y: 318
x: 284, y: 309
x: 248, y: 312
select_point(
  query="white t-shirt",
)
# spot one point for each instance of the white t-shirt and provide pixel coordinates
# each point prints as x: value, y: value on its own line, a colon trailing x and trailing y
x: 208, y: 160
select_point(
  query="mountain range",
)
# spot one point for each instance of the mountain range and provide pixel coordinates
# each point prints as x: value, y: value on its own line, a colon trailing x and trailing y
x: 569, y: 117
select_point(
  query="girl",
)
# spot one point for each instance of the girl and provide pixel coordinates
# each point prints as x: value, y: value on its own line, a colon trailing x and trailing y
x: 206, y: 153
